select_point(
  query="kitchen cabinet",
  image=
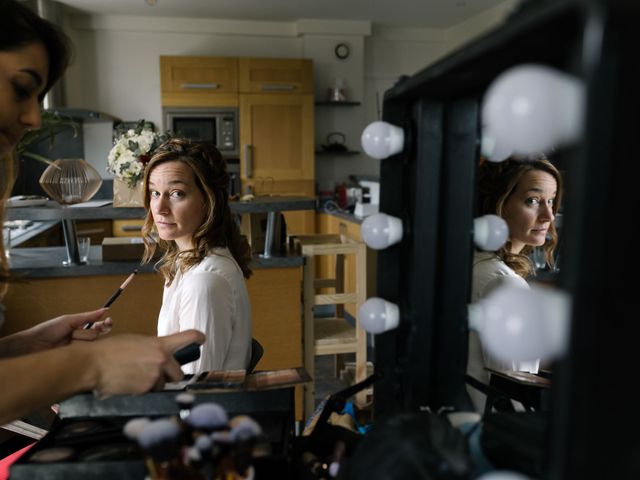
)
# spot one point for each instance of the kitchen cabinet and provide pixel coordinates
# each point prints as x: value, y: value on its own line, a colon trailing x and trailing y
x: 326, y: 223
x: 275, y: 99
x: 189, y: 81
x: 127, y: 228
x: 276, y: 75
x: 276, y: 156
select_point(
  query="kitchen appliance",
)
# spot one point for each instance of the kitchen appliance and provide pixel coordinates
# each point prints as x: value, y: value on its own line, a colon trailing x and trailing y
x: 217, y: 125
x: 370, y: 202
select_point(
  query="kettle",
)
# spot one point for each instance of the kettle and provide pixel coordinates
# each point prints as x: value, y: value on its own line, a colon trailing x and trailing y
x: 335, y: 142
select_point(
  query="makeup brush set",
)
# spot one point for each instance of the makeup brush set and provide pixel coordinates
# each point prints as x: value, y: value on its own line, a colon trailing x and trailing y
x: 184, y: 435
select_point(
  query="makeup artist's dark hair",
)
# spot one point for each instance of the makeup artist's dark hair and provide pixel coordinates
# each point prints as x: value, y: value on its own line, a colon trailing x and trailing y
x: 496, y: 183
x: 219, y: 228
x: 20, y: 26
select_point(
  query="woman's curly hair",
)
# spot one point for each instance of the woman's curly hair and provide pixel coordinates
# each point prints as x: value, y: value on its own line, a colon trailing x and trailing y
x: 496, y: 183
x: 219, y: 228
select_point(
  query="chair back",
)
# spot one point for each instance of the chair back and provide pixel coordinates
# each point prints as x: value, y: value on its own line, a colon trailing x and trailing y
x: 256, y: 354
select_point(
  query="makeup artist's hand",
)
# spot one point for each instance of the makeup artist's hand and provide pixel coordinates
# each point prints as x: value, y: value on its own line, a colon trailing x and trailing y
x: 56, y: 332
x: 136, y: 364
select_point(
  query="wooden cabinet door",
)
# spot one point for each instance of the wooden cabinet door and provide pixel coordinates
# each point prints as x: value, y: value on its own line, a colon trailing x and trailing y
x: 199, y: 81
x: 271, y: 75
x: 276, y: 138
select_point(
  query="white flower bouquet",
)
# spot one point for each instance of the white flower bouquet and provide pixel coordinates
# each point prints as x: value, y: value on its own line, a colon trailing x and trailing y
x: 131, y: 152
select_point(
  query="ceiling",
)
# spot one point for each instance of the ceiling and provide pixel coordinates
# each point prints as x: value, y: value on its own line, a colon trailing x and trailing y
x: 397, y: 13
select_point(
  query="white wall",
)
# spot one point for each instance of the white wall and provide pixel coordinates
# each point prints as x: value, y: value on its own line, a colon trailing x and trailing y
x: 116, y: 67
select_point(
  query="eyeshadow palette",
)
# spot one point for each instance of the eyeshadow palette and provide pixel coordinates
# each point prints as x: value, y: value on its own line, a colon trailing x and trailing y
x: 83, y: 448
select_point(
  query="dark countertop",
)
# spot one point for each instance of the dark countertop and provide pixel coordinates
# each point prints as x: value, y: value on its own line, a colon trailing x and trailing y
x: 54, y: 211
x: 46, y: 262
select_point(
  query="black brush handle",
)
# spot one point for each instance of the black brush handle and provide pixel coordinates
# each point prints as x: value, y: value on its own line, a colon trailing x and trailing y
x: 187, y: 354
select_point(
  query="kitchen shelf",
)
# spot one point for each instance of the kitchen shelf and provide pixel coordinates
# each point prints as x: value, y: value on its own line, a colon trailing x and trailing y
x: 337, y: 154
x: 336, y: 104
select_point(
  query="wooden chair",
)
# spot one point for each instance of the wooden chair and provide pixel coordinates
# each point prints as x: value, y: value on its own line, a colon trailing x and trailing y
x: 333, y: 335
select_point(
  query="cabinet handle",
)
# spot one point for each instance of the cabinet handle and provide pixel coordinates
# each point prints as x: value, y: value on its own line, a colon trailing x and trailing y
x: 194, y: 86
x: 248, y: 160
x: 277, y: 87
x: 132, y: 228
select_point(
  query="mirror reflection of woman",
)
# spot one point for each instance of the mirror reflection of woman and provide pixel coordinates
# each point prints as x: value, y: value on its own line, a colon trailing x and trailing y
x: 527, y: 195
x: 205, y: 258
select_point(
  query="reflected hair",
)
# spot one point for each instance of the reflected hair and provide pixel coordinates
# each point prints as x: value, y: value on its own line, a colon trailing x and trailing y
x: 219, y: 228
x: 496, y: 183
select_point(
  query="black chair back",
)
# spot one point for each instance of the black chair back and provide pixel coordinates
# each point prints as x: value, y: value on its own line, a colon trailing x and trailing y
x: 256, y: 354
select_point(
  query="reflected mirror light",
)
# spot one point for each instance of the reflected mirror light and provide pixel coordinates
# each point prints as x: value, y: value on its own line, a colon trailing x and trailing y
x: 376, y: 315
x: 381, y: 140
x: 533, y: 108
x: 522, y: 324
x: 490, y: 232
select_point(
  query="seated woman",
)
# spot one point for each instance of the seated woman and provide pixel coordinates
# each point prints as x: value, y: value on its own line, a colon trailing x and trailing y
x: 205, y: 258
x: 526, y: 194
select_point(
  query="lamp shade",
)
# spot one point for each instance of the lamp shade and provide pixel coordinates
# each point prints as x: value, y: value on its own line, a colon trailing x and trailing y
x: 70, y: 180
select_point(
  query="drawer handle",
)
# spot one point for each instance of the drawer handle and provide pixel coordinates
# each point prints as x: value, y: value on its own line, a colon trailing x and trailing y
x: 277, y: 87
x: 195, y: 86
x: 132, y: 228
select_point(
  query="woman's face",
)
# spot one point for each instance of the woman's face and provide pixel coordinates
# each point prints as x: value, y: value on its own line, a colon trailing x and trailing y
x: 23, y: 77
x: 529, y: 210
x: 177, y: 205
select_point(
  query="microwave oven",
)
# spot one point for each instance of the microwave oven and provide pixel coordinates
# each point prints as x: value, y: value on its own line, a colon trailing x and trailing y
x: 217, y: 125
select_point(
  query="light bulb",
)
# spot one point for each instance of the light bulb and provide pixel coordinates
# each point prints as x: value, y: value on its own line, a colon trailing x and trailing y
x: 534, y: 108
x: 492, y: 150
x: 521, y: 324
x: 381, y: 140
x: 380, y: 230
x: 376, y: 315
x: 490, y: 232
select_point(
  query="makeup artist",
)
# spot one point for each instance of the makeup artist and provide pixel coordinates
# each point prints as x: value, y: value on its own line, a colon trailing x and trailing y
x: 56, y: 359
x: 205, y: 257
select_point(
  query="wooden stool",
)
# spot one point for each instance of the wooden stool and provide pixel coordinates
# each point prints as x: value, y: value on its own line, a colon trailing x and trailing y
x: 334, y: 335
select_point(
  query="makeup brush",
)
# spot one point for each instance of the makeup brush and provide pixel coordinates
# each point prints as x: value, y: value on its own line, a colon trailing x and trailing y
x: 115, y: 295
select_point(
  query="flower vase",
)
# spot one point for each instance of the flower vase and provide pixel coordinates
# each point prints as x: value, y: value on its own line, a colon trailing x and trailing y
x: 125, y: 196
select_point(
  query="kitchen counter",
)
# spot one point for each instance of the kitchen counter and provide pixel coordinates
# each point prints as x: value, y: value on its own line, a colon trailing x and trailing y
x: 69, y: 214
x: 54, y: 211
x: 343, y: 214
x: 46, y: 262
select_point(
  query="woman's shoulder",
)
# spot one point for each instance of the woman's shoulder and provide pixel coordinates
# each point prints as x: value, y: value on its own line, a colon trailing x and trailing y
x: 489, y: 271
x: 219, y: 260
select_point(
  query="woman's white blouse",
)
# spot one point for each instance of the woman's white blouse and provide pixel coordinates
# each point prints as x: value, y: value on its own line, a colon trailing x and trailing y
x: 211, y: 297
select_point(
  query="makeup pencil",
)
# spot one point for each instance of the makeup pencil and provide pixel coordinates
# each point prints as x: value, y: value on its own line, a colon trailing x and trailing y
x: 115, y: 295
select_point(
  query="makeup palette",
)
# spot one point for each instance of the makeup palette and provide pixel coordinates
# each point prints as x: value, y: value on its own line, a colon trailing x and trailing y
x: 87, y: 439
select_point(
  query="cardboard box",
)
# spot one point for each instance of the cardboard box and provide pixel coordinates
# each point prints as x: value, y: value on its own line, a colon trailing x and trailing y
x: 122, y: 248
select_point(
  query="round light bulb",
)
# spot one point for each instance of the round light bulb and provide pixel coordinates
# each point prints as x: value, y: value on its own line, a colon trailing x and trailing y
x: 381, y: 140
x: 490, y: 232
x: 380, y: 230
x: 376, y: 315
x: 534, y: 108
x: 492, y: 150
x: 521, y: 324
